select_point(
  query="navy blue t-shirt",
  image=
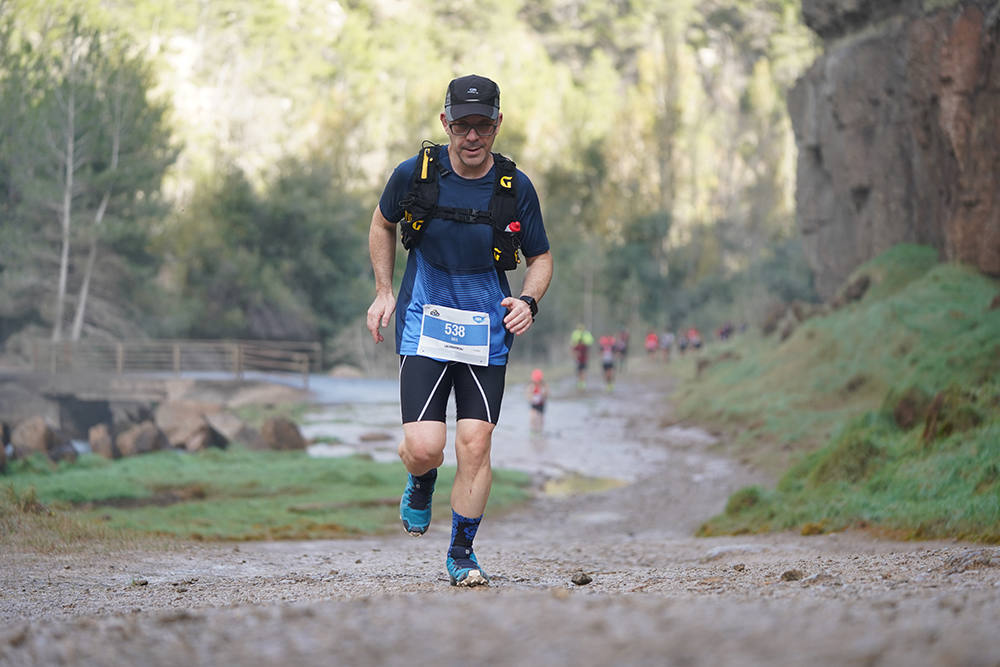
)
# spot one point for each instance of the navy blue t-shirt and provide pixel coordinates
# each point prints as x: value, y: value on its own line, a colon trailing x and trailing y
x: 453, y: 264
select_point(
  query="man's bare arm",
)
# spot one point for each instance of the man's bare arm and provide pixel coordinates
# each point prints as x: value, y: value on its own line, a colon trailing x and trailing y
x: 536, y: 283
x: 382, y: 250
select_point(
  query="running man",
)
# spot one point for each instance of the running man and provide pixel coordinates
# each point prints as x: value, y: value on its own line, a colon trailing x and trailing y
x: 456, y: 318
x: 579, y: 342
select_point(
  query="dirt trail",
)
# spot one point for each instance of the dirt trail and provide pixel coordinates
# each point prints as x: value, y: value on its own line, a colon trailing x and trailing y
x: 656, y: 595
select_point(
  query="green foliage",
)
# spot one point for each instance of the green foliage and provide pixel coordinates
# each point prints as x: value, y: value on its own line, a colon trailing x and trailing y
x: 852, y: 454
x: 288, y: 125
x: 289, y: 263
x: 955, y: 410
x: 744, y: 499
x: 888, y: 409
x: 84, y: 152
x: 236, y: 494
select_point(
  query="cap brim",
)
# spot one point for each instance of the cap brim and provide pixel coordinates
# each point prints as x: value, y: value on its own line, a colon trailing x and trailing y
x: 473, y: 109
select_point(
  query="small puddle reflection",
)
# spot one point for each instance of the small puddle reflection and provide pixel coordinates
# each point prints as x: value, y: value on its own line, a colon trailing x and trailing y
x: 574, y: 484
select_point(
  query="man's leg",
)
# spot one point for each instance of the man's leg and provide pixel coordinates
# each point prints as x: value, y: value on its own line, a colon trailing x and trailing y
x: 424, y: 386
x: 422, y: 451
x: 473, y: 479
x: 473, y: 440
x: 478, y: 397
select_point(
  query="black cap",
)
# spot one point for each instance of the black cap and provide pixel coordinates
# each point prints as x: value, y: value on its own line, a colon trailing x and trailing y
x: 472, y: 95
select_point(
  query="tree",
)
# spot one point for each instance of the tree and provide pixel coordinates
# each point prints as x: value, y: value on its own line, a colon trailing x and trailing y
x: 288, y: 262
x: 89, y: 144
x: 132, y: 136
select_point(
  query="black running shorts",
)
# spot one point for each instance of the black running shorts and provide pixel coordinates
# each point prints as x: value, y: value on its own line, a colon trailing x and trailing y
x: 425, y: 384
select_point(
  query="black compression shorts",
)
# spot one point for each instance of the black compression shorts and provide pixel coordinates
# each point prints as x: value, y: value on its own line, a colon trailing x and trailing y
x: 425, y: 384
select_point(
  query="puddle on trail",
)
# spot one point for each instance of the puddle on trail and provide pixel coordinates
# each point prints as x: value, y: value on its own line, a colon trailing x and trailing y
x: 586, y: 444
x: 574, y: 483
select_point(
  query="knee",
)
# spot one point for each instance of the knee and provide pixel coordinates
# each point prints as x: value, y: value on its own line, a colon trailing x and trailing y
x: 421, y: 452
x: 475, y: 450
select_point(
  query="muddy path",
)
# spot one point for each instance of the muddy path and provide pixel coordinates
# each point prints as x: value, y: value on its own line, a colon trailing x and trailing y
x: 656, y: 595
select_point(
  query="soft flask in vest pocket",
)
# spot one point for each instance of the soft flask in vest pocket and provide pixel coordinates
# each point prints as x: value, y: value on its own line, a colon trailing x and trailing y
x: 506, y: 245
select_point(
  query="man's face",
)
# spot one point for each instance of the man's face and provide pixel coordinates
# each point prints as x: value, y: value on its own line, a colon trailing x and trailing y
x: 467, y: 145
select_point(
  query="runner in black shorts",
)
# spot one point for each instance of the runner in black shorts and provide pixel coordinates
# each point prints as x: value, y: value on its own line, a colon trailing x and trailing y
x: 424, y: 386
x: 456, y: 306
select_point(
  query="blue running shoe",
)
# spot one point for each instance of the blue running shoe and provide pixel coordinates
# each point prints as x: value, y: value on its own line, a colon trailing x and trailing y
x: 463, y: 568
x: 415, y: 506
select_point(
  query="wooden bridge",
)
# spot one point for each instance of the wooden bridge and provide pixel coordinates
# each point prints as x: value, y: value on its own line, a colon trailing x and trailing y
x: 131, y: 366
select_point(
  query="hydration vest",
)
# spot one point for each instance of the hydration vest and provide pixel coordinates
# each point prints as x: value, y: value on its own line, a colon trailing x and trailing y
x: 420, y: 205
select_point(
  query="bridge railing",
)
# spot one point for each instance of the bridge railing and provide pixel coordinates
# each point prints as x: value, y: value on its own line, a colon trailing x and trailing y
x: 177, y: 356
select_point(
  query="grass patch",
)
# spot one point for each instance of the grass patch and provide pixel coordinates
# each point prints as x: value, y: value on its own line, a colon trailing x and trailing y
x: 233, y: 494
x: 26, y: 523
x: 884, y: 413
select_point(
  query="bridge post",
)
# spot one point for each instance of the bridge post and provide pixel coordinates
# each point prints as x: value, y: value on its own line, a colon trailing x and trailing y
x: 237, y: 350
x: 303, y: 360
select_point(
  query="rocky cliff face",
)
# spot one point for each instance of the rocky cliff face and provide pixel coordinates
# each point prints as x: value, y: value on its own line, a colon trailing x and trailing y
x: 898, y: 131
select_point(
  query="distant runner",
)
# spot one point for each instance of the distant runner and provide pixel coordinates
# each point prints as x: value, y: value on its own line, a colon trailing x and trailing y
x: 607, y: 344
x: 580, y: 341
x: 538, y: 394
x: 652, y: 344
x: 621, y: 349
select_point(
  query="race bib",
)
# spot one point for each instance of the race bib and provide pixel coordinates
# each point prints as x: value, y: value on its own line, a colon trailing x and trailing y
x: 455, y: 335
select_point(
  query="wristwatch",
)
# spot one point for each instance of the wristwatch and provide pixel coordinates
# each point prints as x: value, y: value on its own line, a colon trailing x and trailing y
x: 530, y: 300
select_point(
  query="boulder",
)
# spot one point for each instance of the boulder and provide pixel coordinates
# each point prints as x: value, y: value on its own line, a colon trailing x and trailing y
x: 141, y: 439
x: 205, y: 436
x: 281, y: 434
x: 181, y: 421
x: 102, y: 443
x: 33, y: 435
x: 232, y: 428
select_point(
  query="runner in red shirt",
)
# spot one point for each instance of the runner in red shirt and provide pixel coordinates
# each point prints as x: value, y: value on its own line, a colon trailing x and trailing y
x: 652, y: 343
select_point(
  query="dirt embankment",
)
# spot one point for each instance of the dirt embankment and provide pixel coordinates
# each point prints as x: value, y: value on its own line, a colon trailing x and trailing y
x: 656, y: 595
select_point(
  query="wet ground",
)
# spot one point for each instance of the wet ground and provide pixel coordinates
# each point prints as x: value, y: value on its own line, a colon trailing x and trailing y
x: 610, y: 577
x: 581, y: 434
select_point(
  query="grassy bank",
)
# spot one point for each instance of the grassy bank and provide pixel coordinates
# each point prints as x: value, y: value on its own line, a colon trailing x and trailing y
x: 884, y: 413
x: 233, y: 494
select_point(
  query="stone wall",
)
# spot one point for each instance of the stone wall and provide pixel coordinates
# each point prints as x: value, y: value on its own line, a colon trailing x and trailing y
x: 898, y: 133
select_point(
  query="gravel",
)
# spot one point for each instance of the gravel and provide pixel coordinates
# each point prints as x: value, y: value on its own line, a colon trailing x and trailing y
x: 610, y: 577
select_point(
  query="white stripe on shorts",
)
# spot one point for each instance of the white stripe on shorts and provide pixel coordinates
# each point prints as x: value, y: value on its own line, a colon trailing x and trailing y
x: 482, y: 393
x: 431, y: 395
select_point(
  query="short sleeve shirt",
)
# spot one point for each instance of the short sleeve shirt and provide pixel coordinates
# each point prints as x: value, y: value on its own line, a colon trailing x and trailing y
x: 453, y: 264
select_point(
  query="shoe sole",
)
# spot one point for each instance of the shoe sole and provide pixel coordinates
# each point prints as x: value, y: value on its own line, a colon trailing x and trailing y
x: 415, y: 532
x: 474, y: 578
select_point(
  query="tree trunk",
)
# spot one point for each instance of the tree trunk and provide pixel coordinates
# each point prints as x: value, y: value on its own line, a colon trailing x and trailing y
x: 116, y: 122
x: 66, y: 216
x: 81, y: 302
